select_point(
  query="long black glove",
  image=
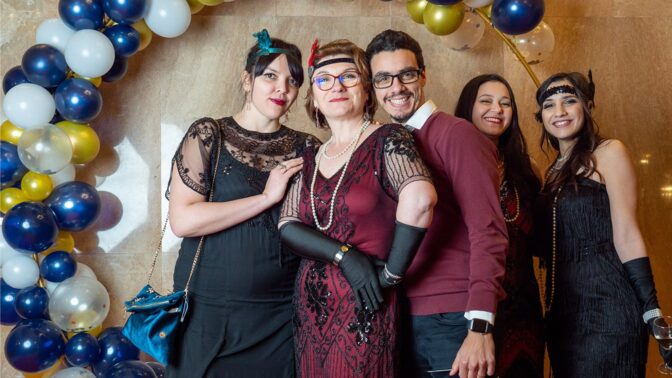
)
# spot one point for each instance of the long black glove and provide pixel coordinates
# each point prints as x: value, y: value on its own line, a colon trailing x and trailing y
x: 405, y: 245
x: 356, y: 267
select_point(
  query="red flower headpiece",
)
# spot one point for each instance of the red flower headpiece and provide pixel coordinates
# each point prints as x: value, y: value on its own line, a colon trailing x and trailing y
x: 311, y: 58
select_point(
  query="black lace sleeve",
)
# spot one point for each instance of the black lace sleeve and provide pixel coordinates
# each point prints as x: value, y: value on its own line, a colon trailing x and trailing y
x: 193, y: 155
x: 402, y: 164
x: 290, y: 207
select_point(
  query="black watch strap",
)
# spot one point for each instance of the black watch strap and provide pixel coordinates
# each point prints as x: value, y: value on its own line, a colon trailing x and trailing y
x: 480, y: 326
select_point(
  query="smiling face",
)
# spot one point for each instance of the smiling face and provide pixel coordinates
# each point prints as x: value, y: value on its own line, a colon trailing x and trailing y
x: 492, y: 111
x: 399, y: 100
x: 273, y: 92
x: 339, y: 102
x: 562, y: 113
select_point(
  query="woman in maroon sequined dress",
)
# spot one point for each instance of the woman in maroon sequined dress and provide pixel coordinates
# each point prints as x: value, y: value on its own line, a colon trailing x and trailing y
x: 488, y: 102
x: 362, y: 199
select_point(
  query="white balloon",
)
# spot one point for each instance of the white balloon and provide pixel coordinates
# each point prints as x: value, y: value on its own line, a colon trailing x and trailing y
x: 54, y: 32
x: 89, y: 53
x: 50, y: 286
x: 74, y: 372
x: 468, y: 34
x: 29, y: 106
x: 168, y: 18
x: 79, y: 304
x: 66, y: 174
x: 83, y: 270
x: 537, y: 44
x: 20, y: 271
x: 46, y: 150
x: 6, y: 252
x: 477, y: 3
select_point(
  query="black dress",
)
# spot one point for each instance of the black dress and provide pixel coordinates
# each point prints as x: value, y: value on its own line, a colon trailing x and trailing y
x: 239, y: 322
x: 595, y: 326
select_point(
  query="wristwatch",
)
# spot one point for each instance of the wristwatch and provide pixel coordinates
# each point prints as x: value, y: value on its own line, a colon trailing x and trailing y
x: 480, y: 326
x: 339, y: 255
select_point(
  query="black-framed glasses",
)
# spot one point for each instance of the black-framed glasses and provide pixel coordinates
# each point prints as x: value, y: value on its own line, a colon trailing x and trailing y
x: 347, y: 79
x: 405, y: 77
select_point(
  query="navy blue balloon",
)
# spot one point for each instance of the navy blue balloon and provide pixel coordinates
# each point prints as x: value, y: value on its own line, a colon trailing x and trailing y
x: 12, y: 168
x: 82, y: 14
x: 130, y: 369
x: 117, y: 71
x: 75, y: 204
x: 115, y: 348
x: 12, y: 78
x: 56, y: 118
x: 34, y: 345
x: 8, y: 315
x: 159, y: 369
x: 517, y: 16
x: 30, y: 227
x: 78, y: 100
x: 44, y: 65
x: 82, y: 349
x: 126, y: 11
x: 32, y: 303
x: 125, y: 39
x: 58, y: 266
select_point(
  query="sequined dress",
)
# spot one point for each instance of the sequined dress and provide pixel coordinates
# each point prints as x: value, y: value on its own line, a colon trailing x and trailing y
x: 332, y: 336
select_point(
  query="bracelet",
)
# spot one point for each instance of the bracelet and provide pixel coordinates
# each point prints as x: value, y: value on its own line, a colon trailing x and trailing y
x: 391, y: 278
x: 651, y: 314
x: 339, y: 255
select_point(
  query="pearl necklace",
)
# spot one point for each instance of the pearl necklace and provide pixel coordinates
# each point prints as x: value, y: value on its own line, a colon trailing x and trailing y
x: 502, y: 202
x: 332, y: 201
x: 326, y: 145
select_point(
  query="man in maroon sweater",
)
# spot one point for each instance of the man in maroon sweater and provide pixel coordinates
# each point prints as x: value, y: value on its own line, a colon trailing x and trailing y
x: 454, y: 283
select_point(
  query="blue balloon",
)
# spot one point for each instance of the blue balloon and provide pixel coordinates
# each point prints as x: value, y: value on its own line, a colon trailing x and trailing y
x: 117, y: 71
x: 13, y: 77
x: 517, y: 16
x: 82, y: 14
x: 34, y: 345
x: 32, y: 303
x: 78, y: 100
x: 30, y: 227
x: 8, y: 313
x: 58, y: 266
x: 125, y: 39
x: 12, y: 168
x: 82, y: 349
x: 130, y: 369
x: 44, y: 65
x: 56, y: 118
x: 115, y: 348
x: 159, y: 369
x: 126, y: 11
x: 75, y: 204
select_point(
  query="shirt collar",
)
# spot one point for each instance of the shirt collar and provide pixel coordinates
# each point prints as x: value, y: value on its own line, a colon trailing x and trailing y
x: 421, y: 115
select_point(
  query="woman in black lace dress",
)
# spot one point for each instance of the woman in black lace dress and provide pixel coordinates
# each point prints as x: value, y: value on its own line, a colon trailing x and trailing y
x: 488, y: 102
x: 600, y: 292
x: 240, y: 310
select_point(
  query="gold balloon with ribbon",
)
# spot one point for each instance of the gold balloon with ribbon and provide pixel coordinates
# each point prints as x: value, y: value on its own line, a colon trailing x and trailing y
x: 36, y: 186
x: 415, y: 9
x: 64, y: 242
x: 85, y: 142
x: 10, y: 132
x: 94, y: 80
x: 145, y: 34
x: 11, y: 197
x: 443, y: 19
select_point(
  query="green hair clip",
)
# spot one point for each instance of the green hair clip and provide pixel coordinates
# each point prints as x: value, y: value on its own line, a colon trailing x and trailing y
x: 265, y: 45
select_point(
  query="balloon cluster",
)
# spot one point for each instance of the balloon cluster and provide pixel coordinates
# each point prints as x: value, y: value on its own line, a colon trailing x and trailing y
x: 50, y: 100
x: 521, y: 20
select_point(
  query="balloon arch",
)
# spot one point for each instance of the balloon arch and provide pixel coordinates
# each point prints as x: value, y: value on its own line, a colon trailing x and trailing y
x: 54, y: 303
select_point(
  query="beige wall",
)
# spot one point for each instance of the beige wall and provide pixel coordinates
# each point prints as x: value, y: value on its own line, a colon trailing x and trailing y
x: 172, y: 82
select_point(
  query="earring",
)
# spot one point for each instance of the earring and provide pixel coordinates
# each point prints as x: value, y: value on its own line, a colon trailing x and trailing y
x: 317, y: 118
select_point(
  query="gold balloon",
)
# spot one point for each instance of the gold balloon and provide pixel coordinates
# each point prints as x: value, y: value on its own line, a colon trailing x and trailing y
x: 415, y: 8
x: 10, y: 197
x: 36, y: 186
x: 85, y: 142
x: 145, y: 34
x: 64, y: 242
x: 93, y: 332
x: 211, y: 3
x: 94, y: 80
x: 10, y: 133
x: 443, y: 19
x: 195, y: 6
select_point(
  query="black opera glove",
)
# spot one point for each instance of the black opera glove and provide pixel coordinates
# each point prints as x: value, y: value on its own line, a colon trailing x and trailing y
x: 358, y: 270
x: 405, y: 245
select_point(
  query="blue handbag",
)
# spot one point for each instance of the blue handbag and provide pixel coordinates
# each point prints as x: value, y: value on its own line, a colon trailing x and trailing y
x: 155, y: 318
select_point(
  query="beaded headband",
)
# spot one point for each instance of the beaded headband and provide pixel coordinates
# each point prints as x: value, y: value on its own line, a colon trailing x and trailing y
x: 266, y: 45
x: 311, y: 60
x: 555, y: 90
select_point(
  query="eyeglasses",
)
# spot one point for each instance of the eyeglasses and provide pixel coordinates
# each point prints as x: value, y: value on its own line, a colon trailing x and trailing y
x: 347, y: 79
x: 405, y: 77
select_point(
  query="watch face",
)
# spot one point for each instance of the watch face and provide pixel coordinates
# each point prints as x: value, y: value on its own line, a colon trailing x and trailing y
x: 480, y: 325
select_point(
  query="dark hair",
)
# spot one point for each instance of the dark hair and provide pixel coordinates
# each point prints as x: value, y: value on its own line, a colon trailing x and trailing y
x: 581, y: 158
x: 344, y: 47
x: 255, y: 66
x: 391, y: 40
x: 511, y: 145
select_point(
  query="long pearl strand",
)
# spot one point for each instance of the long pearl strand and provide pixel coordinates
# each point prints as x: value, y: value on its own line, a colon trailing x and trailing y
x: 346, y: 149
x: 332, y: 201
